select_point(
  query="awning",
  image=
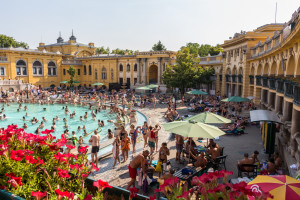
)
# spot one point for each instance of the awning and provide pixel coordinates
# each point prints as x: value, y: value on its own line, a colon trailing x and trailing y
x: 264, y: 115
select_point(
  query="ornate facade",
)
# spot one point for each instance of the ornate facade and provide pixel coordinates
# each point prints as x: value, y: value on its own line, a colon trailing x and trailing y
x: 47, y: 66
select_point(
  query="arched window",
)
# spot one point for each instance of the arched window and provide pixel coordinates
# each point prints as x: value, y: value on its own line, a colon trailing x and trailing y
x: 37, y: 68
x: 84, y: 70
x: 21, y: 68
x: 90, y: 70
x: 112, y: 74
x: 121, y: 67
x: 128, y: 68
x: 135, y: 67
x: 103, y: 74
x: 96, y: 74
x: 52, y: 69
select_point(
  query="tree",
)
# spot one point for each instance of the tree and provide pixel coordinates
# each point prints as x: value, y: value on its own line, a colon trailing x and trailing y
x: 102, y: 50
x: 72, y: 72
x: 158, y: 47
x: 182, y: 75
x: 123, y: 52
x: 6, y: 41
x: 203, y: 49
x: 203, y: 75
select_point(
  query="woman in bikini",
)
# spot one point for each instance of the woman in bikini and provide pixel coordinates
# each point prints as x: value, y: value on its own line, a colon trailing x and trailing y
x: 116, y: 143
x: 163, y: 153
x: 156, y: 129
x: 134, y: 134
x: 144, y: 132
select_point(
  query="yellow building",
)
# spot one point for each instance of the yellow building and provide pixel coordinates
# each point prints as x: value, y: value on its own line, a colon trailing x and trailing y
x: 265, y: 63
x: 47, y: 66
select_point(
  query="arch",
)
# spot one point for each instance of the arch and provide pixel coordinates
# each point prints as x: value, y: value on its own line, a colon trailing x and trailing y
x: 128, y: 67
x: 234, y: 70
x: 290, y: 66
x: 90, y: 70
x: 52, y: 71
x: 120, y: 67
x: 228, y: 71
x: 240, y: 71
x: 21, y: 68
x: 153, y: 74
x: 279, y: 69
x: 258, y: 70
x: 266, y: 69
x: 37, y: 68
x: 103, y: 73
x: 83, y: 53
x: 272, y: 70
x: 252, y: 70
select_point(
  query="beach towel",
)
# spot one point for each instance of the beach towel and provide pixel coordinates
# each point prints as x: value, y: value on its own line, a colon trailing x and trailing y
x: 158, y: 167
x: 114, y: 151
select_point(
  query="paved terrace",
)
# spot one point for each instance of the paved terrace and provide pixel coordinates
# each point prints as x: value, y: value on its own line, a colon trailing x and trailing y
x: 235, y: 147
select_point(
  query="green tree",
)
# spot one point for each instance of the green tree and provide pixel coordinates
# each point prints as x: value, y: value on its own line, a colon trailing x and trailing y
x: 6, y: 41
x: 203, y: 75
x: 182, y: 75
x: 72, y: 72
x: 215, y: 50
x: 102, y: 50
x: 123, y: 52
x: 158, y: 47
x: 203, y: 49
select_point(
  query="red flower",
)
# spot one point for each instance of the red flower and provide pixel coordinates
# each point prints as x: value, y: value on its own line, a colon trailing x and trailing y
x: 63, y: 173
x: 152, y: 197
x: 85, y: 175
x: 17, y: 155
x: 184, y: 195
x: 30, y: 159
x: 83, y: 149
x: 71, y: 196
x: 61, y: 193
x: 133, y: 192
x: 101, y: 184
x: 76, y: 166
x: 94, y: 167
x: 47, y: 131
x: 41, y: 162
x: 15, y: 181
x: 88, y: 197
x: 70, y: 146
x: 38, y: 194
x: 3, y: 187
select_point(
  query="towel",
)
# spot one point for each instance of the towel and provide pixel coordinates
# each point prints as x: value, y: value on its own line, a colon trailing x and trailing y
x: 114, y: 151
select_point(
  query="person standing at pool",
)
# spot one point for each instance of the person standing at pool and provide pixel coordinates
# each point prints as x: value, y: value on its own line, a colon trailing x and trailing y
x: 144, y: 132
x: 134, y: 134
x: 95, y: 142
x: 151, y: 141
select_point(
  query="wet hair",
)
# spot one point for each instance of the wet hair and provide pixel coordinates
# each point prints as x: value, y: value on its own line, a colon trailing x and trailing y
x: 164, y: 144
x: 150, y: 127
x: 246, y: 155
x: 214, y: 145
x: 171, y: 171
x: 256, y: 152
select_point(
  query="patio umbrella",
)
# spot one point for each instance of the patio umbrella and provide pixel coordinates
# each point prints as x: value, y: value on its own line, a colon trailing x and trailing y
x: 281, y: 187
x: 76, y: 82
x: 64, y: 82
x: 235, y: 99
x: 193, y: 129
x: 250, y: 97
x: 152, y: 86
x: 97, y: 84
x: 143, y: 88
x: 197, y: 92
x: 209, y: 118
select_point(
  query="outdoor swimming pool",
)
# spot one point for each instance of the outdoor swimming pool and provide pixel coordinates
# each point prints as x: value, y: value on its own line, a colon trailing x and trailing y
x: 37, y: 111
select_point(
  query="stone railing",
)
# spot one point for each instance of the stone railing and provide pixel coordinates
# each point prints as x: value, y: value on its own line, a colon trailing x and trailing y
x: 11, y: 82
x: 289, y: 89
x: 3, y: 59
x: 258, y: 80
x: 297, y: 95
x: 272, y: 84
x: 251, y: 78
x: 71, y: 62
x: 279, y: 86
x: 265, y: 82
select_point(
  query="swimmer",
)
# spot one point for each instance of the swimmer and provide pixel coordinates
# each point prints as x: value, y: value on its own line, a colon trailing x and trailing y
x: 25, y: 108
x: 18, y: 110
x: 81, y: 119
x: 25, y: 126
x: 65, y: 120
x: 56, y: 118
x: 79, y: 128
x: 86, y: 115
x: 83, y: 127
x: 44, y: 119
x: 37, y: 131
x: 85, y: 133
x: 24, y: 119
x: 42, y: 125
x: 26, y: 114
x: 44, y: 109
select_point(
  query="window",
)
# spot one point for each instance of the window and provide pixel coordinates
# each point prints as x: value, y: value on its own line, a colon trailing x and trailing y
x: 2, y: 71
x: 112, y: 74
x: 121, y: 67
x: 135, y: 68
x: 128, y: 81
x: 37, y: 68
x: 52, y: 69
x: 121, y: 81
x: 21, y: 68
x: 84, y: 70
x: 90, y: 70
x: 96, y: 74
x: 78, y: 71
x: 103, y: 74
x: 64, y: 72
x: 135, y: 81
x: 128, y: 68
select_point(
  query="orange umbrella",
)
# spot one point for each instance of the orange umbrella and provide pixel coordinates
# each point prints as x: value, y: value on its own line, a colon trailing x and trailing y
x: 281, y: 186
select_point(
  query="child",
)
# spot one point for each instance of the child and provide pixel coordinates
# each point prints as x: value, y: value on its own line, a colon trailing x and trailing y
x: 125, y: 147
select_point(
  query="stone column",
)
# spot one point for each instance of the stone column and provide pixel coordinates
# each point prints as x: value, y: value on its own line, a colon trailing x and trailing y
x: 138, y: 71
x: 145, y: 71
x: 286, y: 111
x: 159, y: 70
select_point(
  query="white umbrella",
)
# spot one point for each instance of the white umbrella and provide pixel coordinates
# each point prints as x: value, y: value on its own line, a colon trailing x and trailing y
x: 251, y: 97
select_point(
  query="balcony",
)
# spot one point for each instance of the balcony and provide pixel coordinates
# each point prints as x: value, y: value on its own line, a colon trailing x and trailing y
x: 297, y: 95
x: 71, y: 62
x: 10, y: 82
x: 233, y: 78
x: 272, y: 84
x: 289, y: 90
x: 265, y: 82
x: 251, y: 80
x: 280, y: 86
x: 3, y: 59
x: 258, y: 80
x: 240, y: 78
x: 228, y: 78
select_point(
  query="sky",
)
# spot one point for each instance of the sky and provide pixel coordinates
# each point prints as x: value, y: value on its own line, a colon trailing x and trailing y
x: 138, y: 24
